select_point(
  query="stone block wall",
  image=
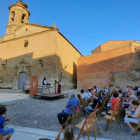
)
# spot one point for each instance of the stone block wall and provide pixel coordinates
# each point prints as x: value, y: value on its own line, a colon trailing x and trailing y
x: 131, y: 78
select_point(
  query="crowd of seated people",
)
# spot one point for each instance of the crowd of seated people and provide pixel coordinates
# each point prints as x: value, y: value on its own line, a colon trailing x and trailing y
x: 130, y: 99
x: 130, y: 105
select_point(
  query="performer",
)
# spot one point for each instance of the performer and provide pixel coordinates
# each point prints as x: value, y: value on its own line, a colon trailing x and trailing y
x: 56, y: 87
x: 59, y: 86
x: 44, y: 85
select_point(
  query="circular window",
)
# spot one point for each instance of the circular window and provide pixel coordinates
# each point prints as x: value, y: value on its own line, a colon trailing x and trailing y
x: 26, y: 44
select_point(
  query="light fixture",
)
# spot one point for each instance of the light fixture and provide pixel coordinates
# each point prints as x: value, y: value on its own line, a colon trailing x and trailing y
x: 40, y: 61
x: 66, y: 65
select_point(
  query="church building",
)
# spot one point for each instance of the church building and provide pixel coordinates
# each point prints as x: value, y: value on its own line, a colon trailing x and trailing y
x: 29, y: 49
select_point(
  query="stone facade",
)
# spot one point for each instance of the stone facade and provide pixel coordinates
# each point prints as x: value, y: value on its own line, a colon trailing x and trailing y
x: 109, y: 64
x: 35, y: 50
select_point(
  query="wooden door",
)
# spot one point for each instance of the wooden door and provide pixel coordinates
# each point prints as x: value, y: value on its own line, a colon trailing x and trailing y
x: 22, y: 80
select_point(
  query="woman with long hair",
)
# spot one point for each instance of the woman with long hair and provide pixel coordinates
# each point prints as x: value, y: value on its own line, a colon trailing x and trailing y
x: 68, y: 134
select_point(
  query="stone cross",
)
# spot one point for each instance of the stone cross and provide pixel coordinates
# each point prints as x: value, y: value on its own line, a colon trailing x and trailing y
x: 20, y: 0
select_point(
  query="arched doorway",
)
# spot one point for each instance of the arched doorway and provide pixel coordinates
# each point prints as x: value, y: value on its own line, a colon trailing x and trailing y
x: 22, y: 80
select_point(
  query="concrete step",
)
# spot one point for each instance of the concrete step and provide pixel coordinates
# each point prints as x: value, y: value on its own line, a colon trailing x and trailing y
x: 25, y: 133
x: 11, y: 91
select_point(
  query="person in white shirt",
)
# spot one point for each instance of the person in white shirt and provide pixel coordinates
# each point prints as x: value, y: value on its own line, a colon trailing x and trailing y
x: 82, y: 95
x: 106, y: 90
x: 89, y: 94
x: 85, y: 94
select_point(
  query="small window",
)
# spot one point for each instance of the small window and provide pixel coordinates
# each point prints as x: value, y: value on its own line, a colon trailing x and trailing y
x: 23, y: 18
x: 12, y: 15
x: 26, y: 43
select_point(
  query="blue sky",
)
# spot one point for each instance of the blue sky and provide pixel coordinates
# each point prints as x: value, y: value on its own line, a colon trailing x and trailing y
x: 85, y: 23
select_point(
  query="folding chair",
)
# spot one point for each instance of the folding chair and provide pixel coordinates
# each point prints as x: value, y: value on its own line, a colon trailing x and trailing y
x: 136, y: 128
x: 99, y: 110
x: 95, y: 109
x: 71, y: 117
x: 5, y: 136
x: 87, y: 125
x: 117, y: 113
x: 112, y: 118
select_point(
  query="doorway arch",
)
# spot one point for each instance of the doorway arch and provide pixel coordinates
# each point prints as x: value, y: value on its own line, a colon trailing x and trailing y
x: 22, y: 80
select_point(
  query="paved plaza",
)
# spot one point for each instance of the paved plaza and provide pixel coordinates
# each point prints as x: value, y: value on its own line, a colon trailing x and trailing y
x: 41, y: 115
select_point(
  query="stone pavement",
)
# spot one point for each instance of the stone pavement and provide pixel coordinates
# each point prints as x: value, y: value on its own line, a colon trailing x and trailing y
x: 25, y: 133
x: 6, y: 97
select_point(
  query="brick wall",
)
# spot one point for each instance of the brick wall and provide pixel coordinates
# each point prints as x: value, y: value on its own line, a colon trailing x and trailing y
x: 97, y: 69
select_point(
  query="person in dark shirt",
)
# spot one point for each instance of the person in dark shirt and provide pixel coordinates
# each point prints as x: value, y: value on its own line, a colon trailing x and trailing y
x: 100, y: 97
x: 91, y: 105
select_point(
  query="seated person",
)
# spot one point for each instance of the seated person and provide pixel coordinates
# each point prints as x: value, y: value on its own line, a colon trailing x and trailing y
x: 120, y: 93
x: 86, y: 94
x: 91, y: 105
x: 89, y: 93
x: 129, y: 100
x: 134, y: 118
x: 4, y: 130
x: 114, y: 102
x: 6, y: 119
x: 100, y: 96
x: 68, y: 133
x: 72, y: 103
x: 106, y: 90
x: 138, y: 91
x: 94, y: 90
x: 82, y: 94
x: 79, y: 98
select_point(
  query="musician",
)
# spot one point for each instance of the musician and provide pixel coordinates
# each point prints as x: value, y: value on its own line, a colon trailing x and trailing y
x: 44, y: 83
x: 59, y: 86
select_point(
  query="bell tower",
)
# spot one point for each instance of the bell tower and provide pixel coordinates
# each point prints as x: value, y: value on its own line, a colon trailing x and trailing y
x: 18, y: 15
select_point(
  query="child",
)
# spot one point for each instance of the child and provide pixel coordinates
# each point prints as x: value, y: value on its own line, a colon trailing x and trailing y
x: 4, y: 130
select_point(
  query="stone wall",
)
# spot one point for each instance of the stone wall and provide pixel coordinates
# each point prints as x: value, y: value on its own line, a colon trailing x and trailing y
x: 123, y: 79
x: 57, y: 62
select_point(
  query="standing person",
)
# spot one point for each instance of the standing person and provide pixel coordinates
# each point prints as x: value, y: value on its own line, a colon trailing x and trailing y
x: 59, y: 86
x: 44, y: 85
x: 72, y: 103
x: 4, y: 130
